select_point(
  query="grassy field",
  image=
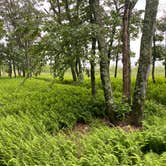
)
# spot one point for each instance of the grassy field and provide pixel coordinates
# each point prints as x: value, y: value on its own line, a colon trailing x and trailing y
x: 46, y: 122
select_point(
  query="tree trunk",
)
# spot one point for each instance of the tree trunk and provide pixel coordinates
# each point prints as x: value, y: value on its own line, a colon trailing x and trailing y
x: 92, y: 70
x: 154, y: 59
x: 153, y: 69
x: 14, y: 69
x: 81, y: 75
x: 126, y: 53
x: 93, y: 53
x: 59, y: 12
x: 10, y: 69
x: 144, y: 62
x: 19, y: 71
x: 73, y: 72
x: 104, y: 62
x: 116, y: 65
x: 23, y: 72
x: 129, y: 5
x: 76, y: 68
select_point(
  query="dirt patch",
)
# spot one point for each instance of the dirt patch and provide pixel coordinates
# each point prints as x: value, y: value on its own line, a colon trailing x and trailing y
x: 82, y: 128
x: 129, y: 128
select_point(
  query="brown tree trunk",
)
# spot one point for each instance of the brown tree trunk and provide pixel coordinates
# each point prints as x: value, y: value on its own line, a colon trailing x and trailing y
x: 153, y: 69
x: 73, y: 72
x: 126, y: 53
x: 14, y: 69
x: 129, y: 5
x: 144, y: 62
x: 93, y: 54
x: 10, y: 69
x: 19, y: 71
x: 104, y: 62
x: 154, y: 59
x: 76, y: 68
x: 23, y: 72
x: 116, y: 65
x: 81, y: 75
x: 92, y: 70
x: 59, y: 12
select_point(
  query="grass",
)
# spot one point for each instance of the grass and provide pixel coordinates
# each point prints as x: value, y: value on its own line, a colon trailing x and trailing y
x: 39, y: 125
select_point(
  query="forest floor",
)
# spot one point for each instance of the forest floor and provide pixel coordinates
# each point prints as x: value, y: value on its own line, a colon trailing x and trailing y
x: 51, y: 122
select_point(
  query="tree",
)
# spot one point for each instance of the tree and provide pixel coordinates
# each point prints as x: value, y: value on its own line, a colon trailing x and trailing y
x: 93, y: 52
x: 129, y: 5
x: 104, y: 61
x: 22, y: 22
x: 144, y: 62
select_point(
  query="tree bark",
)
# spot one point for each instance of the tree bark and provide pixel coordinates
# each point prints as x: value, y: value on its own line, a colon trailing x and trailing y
x: 23, y: 72
x: 73, y: 72
x: 18, y: 71
x: 144, y: 62
x: 104, y: 62
x: 129, y: 5
x: 14, y: 69
x: 92, y: 60
x: 10, y: 69
x: 81, y: 75
x: 116, y: 65
x: 92, y: 70
x: 153, y: 69
x: 154, y: 59
x: 126, y: 53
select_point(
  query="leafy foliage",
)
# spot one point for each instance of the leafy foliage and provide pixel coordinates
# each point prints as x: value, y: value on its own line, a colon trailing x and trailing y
x: 37, y: 118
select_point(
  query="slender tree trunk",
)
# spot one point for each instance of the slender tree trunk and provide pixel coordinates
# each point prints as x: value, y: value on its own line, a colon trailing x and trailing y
x: 129, y: 5
x: 14, y: 69
x: 73, y: 72
x: 116, y: 65
x: 10, y: 69
x: 59, y: 12
x: 76, y: 68
x: 104, y: 62
x: 126, y: 53
x: 154, y: 59
x: 92, y: 60
x: 23, y: 72
x: 92, y: 70
x: 19, y: 71
x: 81, y: 75
x: 144, y: 62
x: 153, y: 69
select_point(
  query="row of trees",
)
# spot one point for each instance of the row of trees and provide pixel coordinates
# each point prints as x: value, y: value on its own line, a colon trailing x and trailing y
x: 74, y: 33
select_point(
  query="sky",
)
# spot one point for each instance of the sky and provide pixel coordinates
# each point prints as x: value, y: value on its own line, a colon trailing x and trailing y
x: 135, y: 45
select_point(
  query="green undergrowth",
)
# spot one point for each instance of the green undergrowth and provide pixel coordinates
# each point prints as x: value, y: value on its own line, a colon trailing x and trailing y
x: 38, y: 126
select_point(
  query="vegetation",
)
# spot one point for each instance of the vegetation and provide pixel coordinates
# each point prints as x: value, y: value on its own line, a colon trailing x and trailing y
x: 60, y: 124
x: 59, y: 104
